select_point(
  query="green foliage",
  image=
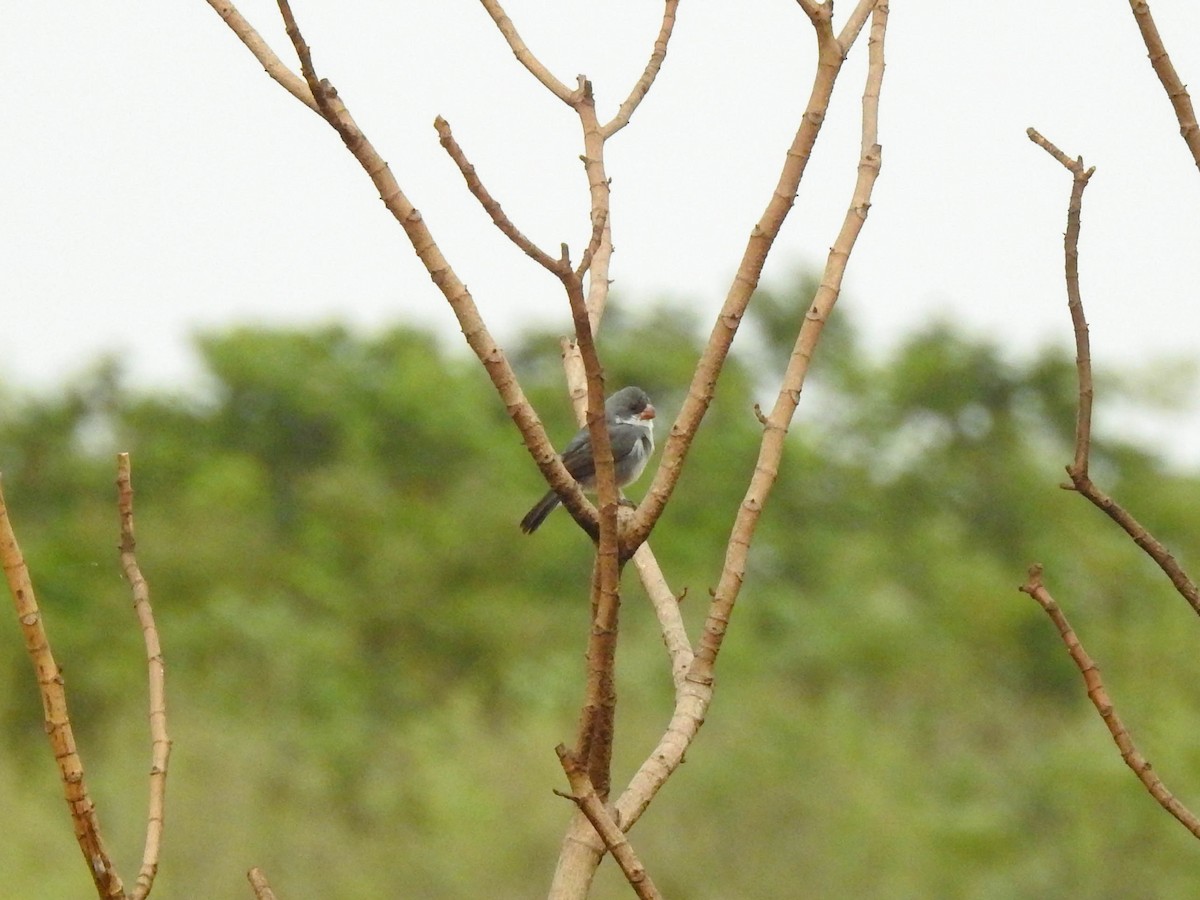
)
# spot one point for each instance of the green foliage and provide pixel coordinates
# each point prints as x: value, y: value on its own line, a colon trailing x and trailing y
x: 369, y: 664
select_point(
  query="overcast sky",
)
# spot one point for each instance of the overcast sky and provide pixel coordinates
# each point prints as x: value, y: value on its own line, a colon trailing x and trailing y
x: 154, y: 181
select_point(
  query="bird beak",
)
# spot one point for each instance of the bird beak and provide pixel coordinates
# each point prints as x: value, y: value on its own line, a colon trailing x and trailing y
x: 647, y: 413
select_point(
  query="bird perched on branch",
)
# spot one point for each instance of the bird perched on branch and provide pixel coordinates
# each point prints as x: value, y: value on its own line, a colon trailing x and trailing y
x: 630, y: 420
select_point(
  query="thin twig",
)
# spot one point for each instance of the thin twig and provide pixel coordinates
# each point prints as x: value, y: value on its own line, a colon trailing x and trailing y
x: 599, y: 221
x: 524, y: 55
x: 1171, y: 82
x: 1078, y: 469
x: 160, y: 743
x: 600, y: 196
x: 592, y: 805
x: 57, y: 721
x: 1083, y: 353
x: 274, y: 66
x: 1138, y: 533
x: 321, y: 91
x: 653, y: 65
x: 1104, y: 705
x: 489, y: 203
x: 500, y: 219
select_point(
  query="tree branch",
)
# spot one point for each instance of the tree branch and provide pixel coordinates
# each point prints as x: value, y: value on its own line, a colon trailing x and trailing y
x: 57, y: 721
x: 1078, y: 469
x: 762, y: 237
x: 778, y: 421
x: 858, y: 18
x: 602, y: 639
x: 1104, y: 706
x: 1083, y: 353
x: 322, y: 91
x: 160, y: 743
x: 289, y: 80
x: 597, y: 715
x: 1172, y: 84
x: 524, y: 55
x: 600, y: 195
x: 599, y: 223
x: 666, y: 608
x: 488, y: 202
x: 591, y: 804
x: 653, y: 65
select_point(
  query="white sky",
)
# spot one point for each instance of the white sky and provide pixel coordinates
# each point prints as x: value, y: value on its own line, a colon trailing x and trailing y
x: 154, y: 181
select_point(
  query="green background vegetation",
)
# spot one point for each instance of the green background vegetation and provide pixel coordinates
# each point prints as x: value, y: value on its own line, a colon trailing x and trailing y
x: 369, y: 665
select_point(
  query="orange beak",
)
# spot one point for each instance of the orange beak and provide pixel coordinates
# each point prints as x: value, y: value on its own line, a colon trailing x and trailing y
x: 647, y: 413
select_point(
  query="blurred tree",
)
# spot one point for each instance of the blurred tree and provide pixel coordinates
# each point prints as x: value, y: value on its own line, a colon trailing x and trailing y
x: 322, y: 526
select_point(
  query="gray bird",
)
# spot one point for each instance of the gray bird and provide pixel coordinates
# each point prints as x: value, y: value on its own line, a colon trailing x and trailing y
x: 630, y: 420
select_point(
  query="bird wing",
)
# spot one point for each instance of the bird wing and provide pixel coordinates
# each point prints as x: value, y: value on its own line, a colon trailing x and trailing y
x: 577, y: 456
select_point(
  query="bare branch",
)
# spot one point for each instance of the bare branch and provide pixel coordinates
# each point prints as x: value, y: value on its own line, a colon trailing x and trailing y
x: 1083, y: 353
x: 653, y: 65
x: 1143, y: 538
x: 692, y: 700
x: 1172, y: 84
x: 592, y: 805
x: 1104, y: 706
x: 501, y: 220
x: 160, y: 743
x: 600, y: 702
x: 779, y: 419
x: 858, y: 18
x: 57, y: 721
x: 1072, y: 165
x: 321, y: 91
x: 600, y: 195
x: 762, y: 237
x: 1078, y: 469
x: 524, y: 55
x: 585, y: 261
x: 666, y: 608
x: 488, y: 202
x: 597, y: 715
x: 289, y: 80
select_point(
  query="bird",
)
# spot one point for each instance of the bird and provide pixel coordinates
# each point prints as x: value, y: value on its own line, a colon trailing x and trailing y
x: 629, y: 416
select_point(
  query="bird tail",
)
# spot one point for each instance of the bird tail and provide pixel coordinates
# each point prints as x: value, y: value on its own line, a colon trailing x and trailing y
x: 537, y: 515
